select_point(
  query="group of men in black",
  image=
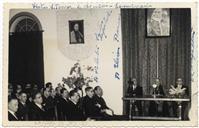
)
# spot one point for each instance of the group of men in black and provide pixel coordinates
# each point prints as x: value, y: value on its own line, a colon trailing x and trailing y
x: 155, y: 108
x: 31, y: 103
x: 48, y: 104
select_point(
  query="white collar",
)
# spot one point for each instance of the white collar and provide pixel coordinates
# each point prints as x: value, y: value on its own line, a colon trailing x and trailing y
x: 98, y: 95
x: 39, y: 105
x: 73, y: 102
x: 134, y: 85
x: 13, y: 113
x: 23, y: 103
x: 65, y: 98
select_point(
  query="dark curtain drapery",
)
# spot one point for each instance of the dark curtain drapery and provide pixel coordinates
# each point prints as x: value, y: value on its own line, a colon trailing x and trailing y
x: 140, y: 54
x: 26, y: 58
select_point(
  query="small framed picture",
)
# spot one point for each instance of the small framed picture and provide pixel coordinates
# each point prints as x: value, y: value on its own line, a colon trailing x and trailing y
x: 76, y: 31
x: 158, y: 22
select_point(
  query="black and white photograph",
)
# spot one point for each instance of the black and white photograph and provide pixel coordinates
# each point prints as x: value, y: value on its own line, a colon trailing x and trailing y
x: 131, y: 67
x: 76, y: 31
x: 158, y: 22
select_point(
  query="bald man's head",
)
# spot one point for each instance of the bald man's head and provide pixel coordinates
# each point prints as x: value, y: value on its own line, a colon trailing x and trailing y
x: 179, y: 81
x: 13, y: 104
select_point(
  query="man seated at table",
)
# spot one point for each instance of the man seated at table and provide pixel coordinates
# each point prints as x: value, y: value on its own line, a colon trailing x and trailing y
x: 183, y: 92
x: 135, y: 90
x: 158, y: 108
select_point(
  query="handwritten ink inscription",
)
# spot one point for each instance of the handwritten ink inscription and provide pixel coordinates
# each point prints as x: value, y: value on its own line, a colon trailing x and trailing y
x: 116, y: 63
x: 101, y: 34
x: 96, y: 60
x: 58, y: 6
x: 116, y: 34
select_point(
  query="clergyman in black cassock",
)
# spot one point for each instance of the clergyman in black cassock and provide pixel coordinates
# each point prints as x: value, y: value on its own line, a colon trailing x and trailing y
x: 75, y: 113
x: 158, y: 108
x: 90, y: 105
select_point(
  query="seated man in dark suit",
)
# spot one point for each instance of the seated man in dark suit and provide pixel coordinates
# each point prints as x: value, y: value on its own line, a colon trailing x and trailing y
x: 12, y: 109
x: 90, y: 105
x: 101, y: 104
x: 37, y: 112
x: 29, y: 92
x: 62, y: 106
x: 23, y: 107
x: 75, y: 113
x: 158, y: 108
x: 135, y: 90
x: 49, y: 104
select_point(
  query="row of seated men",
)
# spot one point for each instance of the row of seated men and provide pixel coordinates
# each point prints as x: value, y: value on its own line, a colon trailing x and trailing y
x: 156, y: 108
x: 63, y: 106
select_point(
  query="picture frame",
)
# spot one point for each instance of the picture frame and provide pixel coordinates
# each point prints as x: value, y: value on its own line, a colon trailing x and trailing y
x: 158, y: 22
x: 76, y: 31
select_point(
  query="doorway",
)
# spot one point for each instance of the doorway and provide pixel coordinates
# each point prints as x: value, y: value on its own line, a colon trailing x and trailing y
x: 26, y: 64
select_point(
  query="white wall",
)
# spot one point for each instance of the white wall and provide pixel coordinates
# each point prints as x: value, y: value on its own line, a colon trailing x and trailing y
x: 60, y: 56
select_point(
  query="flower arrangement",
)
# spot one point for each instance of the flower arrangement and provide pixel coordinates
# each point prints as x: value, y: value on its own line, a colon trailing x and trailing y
x: 76, y: 79
x: 177, y: 92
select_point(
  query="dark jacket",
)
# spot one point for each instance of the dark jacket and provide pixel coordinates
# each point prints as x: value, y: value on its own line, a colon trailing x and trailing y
x: 101, y: 101
x: 90, y: 108
x: 135, y: 92
x: 11, y: 117
x: 158, y: 108
x: 158, y: 90
x: 75, y: 113
x: 49, y: 106
x: 62, y: 109
x: 22, y: 111
x: 36, y: 113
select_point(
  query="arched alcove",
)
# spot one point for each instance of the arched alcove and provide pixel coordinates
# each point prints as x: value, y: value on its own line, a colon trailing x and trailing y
x: 26, y: 64
x: 16, y: 19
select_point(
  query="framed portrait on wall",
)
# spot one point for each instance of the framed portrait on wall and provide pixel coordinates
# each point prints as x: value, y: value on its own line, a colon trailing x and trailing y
x: 158, y: 22
x: 76, y: 31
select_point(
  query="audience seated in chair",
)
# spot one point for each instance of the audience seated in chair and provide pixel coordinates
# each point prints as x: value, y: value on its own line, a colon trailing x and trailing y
x: 37, y: 111
x: 101, y: 104
x: 75, y: 113
x: 62, y: 106
x: 91, y: 110
x: 49, y: 103
x: 12, y: 109
x: 22, y: 106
